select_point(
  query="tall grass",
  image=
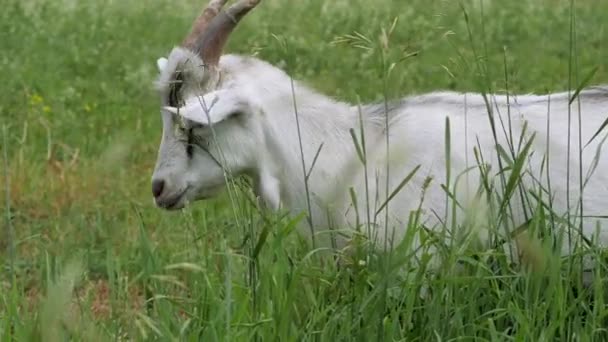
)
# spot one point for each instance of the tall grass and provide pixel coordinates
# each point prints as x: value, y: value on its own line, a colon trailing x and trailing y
x: 82, y: 130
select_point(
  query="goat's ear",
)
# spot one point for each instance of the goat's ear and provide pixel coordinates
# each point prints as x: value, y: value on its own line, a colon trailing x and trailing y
x: 197, y: 114
x: 161, y: 63
x: 173, y: 110
x: 209, y: 110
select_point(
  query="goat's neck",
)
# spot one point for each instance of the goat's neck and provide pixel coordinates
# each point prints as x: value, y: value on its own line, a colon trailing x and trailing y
x: 323, y: 124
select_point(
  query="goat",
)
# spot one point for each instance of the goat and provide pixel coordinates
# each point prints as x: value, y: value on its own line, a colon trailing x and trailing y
x: 238, y: 115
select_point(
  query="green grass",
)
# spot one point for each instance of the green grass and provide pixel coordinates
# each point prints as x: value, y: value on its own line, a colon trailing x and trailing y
x: 86, y: 255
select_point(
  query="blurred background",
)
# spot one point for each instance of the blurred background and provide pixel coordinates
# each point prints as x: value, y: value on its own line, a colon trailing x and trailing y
x: 80, y: 129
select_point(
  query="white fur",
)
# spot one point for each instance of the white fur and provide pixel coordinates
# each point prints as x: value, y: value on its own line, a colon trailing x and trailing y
x: 262, y: 140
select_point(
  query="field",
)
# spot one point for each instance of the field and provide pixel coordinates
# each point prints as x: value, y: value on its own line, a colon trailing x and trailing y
x: 85, y: 255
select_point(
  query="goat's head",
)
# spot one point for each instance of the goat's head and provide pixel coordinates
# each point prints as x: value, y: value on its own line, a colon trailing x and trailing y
x: 187, y: 169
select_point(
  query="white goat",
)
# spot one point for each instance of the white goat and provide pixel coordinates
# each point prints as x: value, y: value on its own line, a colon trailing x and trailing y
x: 238, y: 115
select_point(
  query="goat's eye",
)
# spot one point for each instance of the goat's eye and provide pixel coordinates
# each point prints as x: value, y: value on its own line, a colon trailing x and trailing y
x: 189, y: 143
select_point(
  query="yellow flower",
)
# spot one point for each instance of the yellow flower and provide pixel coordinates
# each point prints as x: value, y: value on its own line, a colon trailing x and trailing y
x: 46, y: 109
x: 36, y: 99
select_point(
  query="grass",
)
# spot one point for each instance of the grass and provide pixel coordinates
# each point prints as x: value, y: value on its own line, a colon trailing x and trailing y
x: 86, y: 255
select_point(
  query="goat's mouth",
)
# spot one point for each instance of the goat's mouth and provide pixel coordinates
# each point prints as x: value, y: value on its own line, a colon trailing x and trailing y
x: 181, y: 199
x: 174, y: 202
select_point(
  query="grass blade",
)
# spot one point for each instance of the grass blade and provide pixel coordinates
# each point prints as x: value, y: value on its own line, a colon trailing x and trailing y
x: 398, y: 188
x: 602, y: 126
x: 357, y: 145
x: 516, y: 171
x: 583, y: 84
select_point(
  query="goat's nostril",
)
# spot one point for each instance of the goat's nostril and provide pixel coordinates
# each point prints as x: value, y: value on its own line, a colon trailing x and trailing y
x: 157, y: 187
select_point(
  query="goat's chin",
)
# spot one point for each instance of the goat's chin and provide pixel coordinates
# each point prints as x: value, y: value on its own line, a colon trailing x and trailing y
x: 175, y: 207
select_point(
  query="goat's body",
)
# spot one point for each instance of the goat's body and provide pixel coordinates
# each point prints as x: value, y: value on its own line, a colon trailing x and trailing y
x: 416, y: 136
x: 238, y: 115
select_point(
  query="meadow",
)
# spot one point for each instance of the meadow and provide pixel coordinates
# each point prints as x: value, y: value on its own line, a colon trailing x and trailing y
x: 85, y: 254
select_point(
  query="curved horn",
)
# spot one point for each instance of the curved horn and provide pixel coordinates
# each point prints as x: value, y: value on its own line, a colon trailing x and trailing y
x: 200, y: 24
x: 210, y: 43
